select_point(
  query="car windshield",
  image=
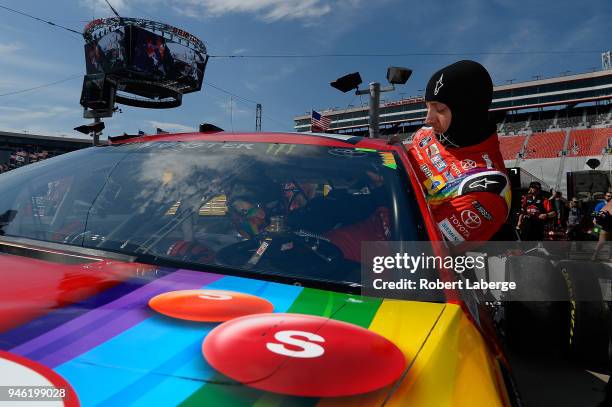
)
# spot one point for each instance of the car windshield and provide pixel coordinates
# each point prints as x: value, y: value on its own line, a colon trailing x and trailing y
x: 288, y: 209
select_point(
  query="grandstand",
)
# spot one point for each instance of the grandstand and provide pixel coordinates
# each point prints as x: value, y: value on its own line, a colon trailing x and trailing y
x: 546, y: 126
x: 512, y: 146
x: 549, y: 155
x: 19, y: 149
x: 545, y: 145
x: 589, y: 142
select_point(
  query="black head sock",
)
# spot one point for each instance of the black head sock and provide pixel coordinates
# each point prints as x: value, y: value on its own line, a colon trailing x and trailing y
x: 466, y: 88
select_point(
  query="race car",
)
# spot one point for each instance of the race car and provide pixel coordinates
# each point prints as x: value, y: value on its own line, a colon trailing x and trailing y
x: 226, y: 269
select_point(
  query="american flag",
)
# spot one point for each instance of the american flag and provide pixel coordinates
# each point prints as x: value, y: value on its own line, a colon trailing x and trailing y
x: 319, y: 122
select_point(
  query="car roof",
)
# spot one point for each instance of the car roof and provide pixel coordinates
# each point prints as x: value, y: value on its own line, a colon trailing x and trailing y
x: 323, y: 139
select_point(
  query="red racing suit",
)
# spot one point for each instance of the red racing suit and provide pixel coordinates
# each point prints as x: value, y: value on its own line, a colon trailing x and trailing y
x: 467, y: 188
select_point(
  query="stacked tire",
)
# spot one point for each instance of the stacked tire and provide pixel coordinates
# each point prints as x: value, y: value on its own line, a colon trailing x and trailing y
x: 588, y: 333
x: 558, y: 309
x: 536, y: 313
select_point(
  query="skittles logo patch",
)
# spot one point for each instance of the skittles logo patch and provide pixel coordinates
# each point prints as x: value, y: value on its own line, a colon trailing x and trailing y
x: 434, y: 184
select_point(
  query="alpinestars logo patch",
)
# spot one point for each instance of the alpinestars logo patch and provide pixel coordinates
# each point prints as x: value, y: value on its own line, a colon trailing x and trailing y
x: 439, y: 85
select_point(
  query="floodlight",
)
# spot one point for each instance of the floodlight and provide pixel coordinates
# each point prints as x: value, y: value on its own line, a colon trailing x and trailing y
x: 347, y: 82
x: 95, y: 127
x: 398, y: 75
x: 209, y: 128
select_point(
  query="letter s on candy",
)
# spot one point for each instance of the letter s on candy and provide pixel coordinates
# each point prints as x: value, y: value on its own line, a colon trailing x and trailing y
x: 309, y: 349
x: 214, y: 296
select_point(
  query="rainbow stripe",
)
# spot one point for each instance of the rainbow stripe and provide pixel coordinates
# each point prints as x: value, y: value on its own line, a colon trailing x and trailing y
x: 123, y: 353
x: 450, y: 188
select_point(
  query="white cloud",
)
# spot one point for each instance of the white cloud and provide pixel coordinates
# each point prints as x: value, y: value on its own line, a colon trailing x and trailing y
x: 7, y: 27
x: 100, y: 5
x: 266, y: 10
x: 309, y: 12
x: 48, y: 120
x: 181, y: 128
x: 15, y: 55
x: 7, y: 49
x: 231, y: 107
x: 252, y: 86
x: 25, y: 115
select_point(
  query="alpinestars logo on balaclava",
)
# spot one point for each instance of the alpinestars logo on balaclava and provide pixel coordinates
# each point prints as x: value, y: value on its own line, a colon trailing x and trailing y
x: 439, y: 85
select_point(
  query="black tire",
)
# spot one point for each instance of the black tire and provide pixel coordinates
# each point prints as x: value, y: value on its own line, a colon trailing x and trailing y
x: 536, y: 312
x: 588, y: 332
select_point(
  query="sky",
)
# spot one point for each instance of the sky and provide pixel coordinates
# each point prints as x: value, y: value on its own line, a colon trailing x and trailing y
x: 514, y: 39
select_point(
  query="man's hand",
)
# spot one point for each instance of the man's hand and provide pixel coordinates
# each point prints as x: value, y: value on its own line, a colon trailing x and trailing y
x: 543, y: 216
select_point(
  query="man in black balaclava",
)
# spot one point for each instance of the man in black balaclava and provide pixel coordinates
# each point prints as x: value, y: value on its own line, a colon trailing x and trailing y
x: 457, y: 159
x: 466, y: 88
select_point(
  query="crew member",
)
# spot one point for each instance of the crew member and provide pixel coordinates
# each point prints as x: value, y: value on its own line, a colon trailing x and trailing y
x: 457, y: 157
x: 599, y: 206
x: 559, y: 204
x: 535, y: 212
x: 603, y: 219
x: 574, y: 220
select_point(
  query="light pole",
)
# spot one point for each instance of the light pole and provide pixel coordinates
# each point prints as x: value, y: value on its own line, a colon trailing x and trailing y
x: 374, y: 90
x: 395, y: 76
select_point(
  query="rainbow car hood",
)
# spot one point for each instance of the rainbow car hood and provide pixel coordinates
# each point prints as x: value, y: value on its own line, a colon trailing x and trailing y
x: 91, y: 325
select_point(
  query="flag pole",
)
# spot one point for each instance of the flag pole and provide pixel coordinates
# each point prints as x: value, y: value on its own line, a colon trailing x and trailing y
x: 311, y: 113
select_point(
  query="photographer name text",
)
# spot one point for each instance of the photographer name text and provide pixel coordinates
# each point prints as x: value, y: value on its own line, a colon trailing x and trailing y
x: 425, y: 284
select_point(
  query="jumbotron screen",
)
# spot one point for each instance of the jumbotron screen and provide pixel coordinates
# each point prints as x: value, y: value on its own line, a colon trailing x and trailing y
x: 107, y: 54
x: 135, y: 53
x: 157, y: 58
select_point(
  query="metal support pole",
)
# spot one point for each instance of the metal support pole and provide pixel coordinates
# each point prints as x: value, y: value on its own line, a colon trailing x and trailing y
x: 374, y: 109
x: 374, y: 91
x: 258, y: 117
x: 96, y: 134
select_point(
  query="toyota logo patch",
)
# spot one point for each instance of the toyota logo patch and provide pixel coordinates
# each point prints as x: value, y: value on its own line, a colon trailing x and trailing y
x: 468, y: 164
x: 470, y: 219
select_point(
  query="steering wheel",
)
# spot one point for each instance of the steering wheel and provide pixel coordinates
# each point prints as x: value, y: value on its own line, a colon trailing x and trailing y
x: 299, y: 252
